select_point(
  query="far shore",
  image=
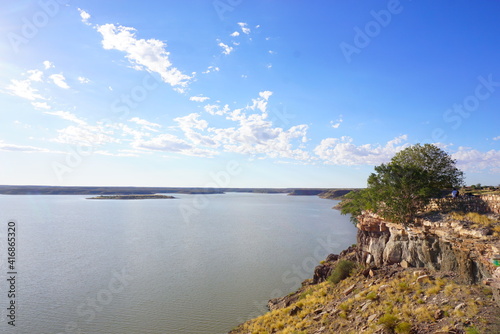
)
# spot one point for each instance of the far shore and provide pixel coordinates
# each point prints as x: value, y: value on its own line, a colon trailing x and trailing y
x: 133, y: 197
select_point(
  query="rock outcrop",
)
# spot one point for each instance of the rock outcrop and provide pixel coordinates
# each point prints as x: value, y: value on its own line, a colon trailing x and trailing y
x: 437, y: 243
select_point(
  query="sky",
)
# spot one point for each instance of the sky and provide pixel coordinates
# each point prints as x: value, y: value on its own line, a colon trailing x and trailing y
x: 238, y: 93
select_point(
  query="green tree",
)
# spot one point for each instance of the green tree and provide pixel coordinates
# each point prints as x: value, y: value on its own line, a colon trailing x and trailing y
x: 400, y: 189
x: 441, y: 168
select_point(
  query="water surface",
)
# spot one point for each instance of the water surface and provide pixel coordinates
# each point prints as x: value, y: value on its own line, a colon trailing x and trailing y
x: 196, y: 264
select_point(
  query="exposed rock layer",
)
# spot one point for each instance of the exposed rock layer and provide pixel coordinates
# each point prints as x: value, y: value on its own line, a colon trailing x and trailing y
x: 436, y: 243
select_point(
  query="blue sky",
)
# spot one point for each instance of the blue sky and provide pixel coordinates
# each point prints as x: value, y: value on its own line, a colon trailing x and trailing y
x: 244, y: 93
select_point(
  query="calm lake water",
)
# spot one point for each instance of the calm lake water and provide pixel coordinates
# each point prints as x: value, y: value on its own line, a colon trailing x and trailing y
x: 195, y: 264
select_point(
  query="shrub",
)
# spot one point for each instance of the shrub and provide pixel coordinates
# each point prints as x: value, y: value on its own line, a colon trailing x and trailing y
x: 341, y: 271
x: 471, y: 330
x: 403, y: 328
x: 372, y: 295
x: 305, y: 293
x: 389, y: 321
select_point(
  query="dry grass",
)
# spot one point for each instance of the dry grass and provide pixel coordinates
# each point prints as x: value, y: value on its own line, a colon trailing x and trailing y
x: 474, y: 217
x: 399, y: 303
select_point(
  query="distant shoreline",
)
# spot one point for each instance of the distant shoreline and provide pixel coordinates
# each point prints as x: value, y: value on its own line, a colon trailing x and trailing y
x: 133, y: 197
x: 331, y: 193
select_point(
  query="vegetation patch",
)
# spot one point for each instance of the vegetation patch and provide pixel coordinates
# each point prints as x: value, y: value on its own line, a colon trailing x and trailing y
x: 341, y: 271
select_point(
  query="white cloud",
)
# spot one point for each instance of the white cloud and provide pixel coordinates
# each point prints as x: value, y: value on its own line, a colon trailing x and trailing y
x: 41, y: 105
x: 215, y: 109
x: 211, y: 69
x: 22, y: 88
x: 255, y: 134
x: 66, y: 116
x: 23, y: 148
x: 265, y: 94
x: 164, y: 142
x: 235, y: 34
x: 85, y: 16
x: 342, y: 151
x: 23, y: 125
x: 120, y: 154
x: 192, y: 122
x: 35, y: 75
x: 473, y: 160
x: 128, y: 131
x: 83, y: 80
x: 244, y: 27
x: 336, y: 124
x: 272, y: 52
x: 85, y: 135
x: 47, y: 64
x: 59, y: 80
x: 150, y: 54
x: 145, y: 124
x: 496, y: 138
x: 261, y: 103
x: 199, y: 98
x: 226, y: 49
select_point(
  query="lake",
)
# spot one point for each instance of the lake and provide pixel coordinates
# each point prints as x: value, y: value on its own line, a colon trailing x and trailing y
x: 195, y: 264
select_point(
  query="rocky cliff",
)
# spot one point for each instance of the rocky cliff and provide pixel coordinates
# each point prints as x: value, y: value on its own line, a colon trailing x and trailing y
x: 437, y: 243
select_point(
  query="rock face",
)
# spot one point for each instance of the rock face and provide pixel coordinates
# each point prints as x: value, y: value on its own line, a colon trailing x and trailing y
x: 437, y: 245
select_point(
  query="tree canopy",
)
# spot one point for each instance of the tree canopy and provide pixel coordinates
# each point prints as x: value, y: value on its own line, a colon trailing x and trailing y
x: 441, y: 168
x: 397, y: 191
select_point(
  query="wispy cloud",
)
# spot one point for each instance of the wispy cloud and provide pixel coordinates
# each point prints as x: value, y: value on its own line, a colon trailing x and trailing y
x: 23, y: 89
x: 66, y: 116
x: 199, y: 98
x: 41, y: 105
x: 244, y: 27
x: 473, y: 160
x: 83, y: 80
x: 59, y: 80
x: 150, y: 54
x: 85, y: 16
x: 336, y: 124
x: 85, y: 135
x: 235, y: 34
x: 342, y: 151
x: 226, y: 49
x: 211, y: 69
x: 215, y: 109
x: 24, y: 148
x: 145, y: 124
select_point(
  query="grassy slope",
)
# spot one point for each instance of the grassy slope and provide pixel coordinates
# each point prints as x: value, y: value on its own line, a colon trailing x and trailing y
x: 394, y: 300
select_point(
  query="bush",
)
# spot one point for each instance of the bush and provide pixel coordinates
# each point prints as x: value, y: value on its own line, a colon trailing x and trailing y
x: 471, y: 330
x: 403, y: 328
x: 372, y: 295
x: 389, y: 321
x: 342, y: 271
